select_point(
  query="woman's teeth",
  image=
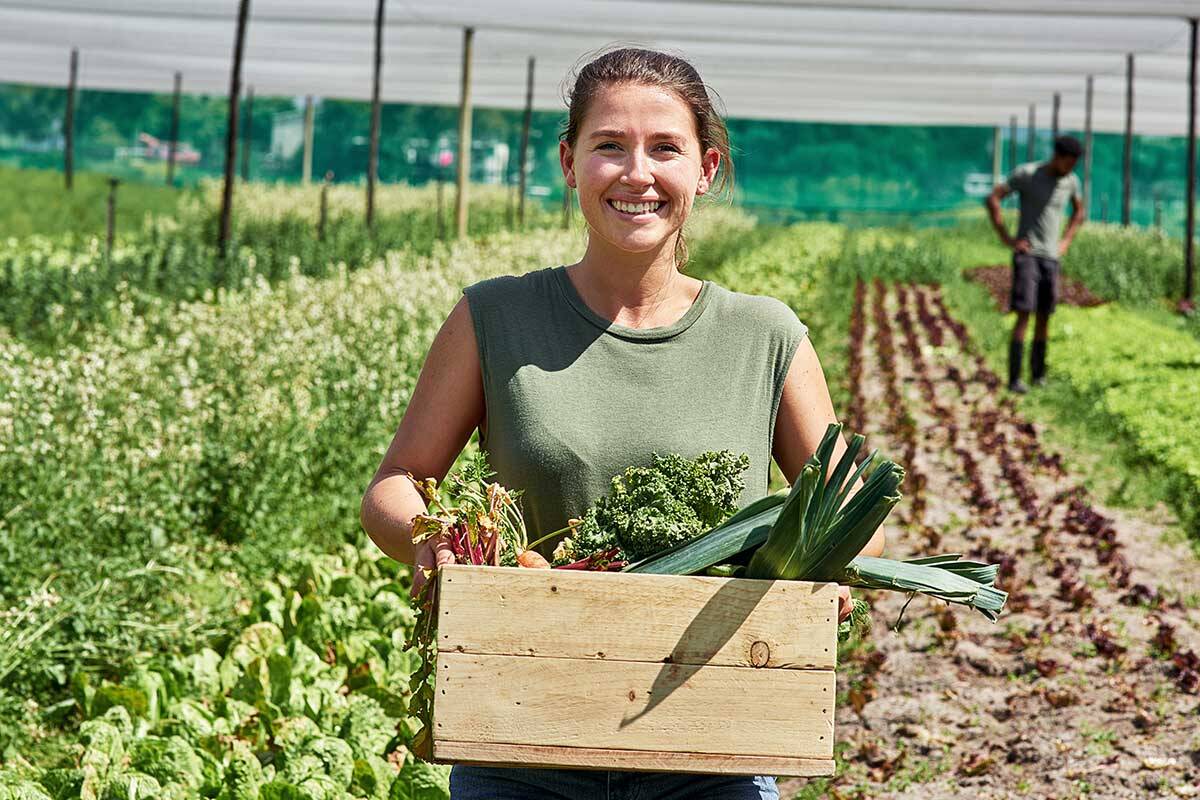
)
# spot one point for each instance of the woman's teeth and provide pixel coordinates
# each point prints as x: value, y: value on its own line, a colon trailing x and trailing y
x: 637, y: 208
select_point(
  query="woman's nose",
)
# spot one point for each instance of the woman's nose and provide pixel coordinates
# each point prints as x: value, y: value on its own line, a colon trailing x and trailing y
x: 638, y: 170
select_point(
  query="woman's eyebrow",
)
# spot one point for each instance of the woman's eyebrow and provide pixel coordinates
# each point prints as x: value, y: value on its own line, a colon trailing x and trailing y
x: 614, y: 133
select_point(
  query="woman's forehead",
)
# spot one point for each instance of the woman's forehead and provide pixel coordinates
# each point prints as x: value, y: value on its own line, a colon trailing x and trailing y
x: 637, y: 108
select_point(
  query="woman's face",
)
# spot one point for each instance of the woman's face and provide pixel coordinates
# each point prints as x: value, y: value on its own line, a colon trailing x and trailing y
x: 637, y: 166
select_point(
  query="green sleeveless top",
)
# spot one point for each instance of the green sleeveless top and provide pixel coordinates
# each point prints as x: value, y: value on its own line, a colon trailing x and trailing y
x: 573, y: 399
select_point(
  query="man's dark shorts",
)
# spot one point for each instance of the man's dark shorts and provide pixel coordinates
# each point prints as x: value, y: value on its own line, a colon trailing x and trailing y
x: 1034, y: 283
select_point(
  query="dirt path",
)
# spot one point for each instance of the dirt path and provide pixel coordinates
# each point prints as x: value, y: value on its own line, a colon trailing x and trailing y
x: 1087, y: 686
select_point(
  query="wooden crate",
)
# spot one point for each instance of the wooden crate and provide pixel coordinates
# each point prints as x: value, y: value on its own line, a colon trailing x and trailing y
x: 558, y: 668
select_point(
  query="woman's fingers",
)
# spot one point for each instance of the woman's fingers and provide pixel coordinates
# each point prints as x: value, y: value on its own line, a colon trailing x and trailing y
x: 844, y: 602
x: 431, y: 554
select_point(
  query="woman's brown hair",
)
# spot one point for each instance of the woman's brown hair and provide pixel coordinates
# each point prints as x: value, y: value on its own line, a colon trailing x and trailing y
x: 652, y: 68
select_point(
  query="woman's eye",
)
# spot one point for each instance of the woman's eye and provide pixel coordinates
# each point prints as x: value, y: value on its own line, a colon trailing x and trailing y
x: 606, y: 145
x: 670, y: 147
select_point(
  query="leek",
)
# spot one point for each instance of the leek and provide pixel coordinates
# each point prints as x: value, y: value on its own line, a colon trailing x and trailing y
x: 815, y: 530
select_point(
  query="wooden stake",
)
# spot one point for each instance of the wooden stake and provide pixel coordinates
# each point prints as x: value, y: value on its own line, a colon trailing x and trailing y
x: 306, y: 166
x: 1031, y: 139
x: 525, y: 125
x: 464, y: 137
x: 1127, y: 161
x: 997, y: 154
x: 173, y: 144
x: 373, y: 152
x: 323, y: 219
x: 235, y: 91
x: 1189, y: 234
x: 1087, y: 147
x: 69, y: 123
x: 1012, y: 142
x: 112, y: 216
x: 441, y: 214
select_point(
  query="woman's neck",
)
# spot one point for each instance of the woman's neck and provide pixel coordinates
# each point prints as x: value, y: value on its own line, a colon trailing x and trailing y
x: 636, y: 290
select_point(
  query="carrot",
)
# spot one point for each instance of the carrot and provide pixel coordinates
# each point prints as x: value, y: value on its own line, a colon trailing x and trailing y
x: 533, y: 560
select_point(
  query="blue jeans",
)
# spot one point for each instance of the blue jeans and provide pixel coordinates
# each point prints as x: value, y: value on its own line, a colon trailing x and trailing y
x: 505, y: 783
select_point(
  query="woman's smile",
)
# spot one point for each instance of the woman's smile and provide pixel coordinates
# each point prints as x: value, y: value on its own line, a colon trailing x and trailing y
x: 643, y: 210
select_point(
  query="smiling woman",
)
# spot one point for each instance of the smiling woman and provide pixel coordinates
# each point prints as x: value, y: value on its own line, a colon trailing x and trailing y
x: 574, y: 373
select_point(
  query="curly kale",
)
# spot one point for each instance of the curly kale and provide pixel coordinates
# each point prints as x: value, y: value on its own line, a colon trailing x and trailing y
x: 651, y: 508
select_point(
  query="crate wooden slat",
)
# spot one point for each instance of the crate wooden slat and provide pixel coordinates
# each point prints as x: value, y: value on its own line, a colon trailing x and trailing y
x: 687, y: 619
x: 631, y: 705
x: 508, y: 755
x: 645, y: 672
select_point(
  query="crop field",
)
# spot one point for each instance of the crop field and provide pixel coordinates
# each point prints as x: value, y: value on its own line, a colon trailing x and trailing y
x: 189, y: 607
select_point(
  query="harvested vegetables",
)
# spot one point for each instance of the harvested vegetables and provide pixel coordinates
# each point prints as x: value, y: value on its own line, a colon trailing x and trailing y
x: 813, y: 533
x: 648, y: 509
x: 483, y: 522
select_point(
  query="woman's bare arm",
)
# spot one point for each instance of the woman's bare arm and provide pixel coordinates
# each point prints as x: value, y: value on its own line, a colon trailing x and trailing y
x: 805, y: 411
x: 446, y: 406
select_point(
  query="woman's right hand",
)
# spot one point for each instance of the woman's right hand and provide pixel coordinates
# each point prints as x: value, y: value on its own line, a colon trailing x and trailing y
x: 430, y: 554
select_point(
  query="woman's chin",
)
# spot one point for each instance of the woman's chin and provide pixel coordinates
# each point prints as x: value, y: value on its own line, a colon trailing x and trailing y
x: 637, y: 242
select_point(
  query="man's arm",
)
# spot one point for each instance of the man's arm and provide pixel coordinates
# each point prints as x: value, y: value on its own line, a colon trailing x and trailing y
x: 1078, y: 213
x: 993, y: 206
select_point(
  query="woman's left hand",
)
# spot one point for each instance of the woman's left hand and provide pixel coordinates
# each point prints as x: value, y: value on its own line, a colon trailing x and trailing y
x: 844, y: 602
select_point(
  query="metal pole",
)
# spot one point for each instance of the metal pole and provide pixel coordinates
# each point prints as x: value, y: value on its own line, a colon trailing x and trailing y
x: 1031, y: 140
x: 173, y: 144
x: 1127, y: 170
x: 1189, y: 236
x: 1054, y: 117
x: 1087, y: 148
x: 235, y: 91
x: 525, y: 125
x: 69, y: 122
x: 248, y: 134
x: 373, y: 151
x: 306, y: 167
x: 464, y: 136
x: 997, y: 154
x: 112, y: 216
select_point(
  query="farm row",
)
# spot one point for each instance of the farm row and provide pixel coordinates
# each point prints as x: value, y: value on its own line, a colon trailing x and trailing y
x: 53, y: 288
x: 211, y: 432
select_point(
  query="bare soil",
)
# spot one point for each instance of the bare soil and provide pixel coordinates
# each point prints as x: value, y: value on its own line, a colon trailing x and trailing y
x: 1087, y: 685
x: 997, y: 279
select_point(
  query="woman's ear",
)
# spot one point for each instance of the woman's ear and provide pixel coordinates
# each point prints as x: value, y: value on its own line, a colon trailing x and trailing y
x: 709, y: 165
x: 566, y: 158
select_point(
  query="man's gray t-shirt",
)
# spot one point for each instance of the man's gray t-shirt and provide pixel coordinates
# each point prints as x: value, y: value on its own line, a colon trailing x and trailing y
x: 1044, y: 196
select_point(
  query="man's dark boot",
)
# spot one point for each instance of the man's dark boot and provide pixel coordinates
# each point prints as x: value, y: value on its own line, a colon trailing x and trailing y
x: 1016, y: 351
x: 1037, y: 363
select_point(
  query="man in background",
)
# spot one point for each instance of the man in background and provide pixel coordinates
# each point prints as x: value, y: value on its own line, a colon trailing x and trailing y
x: 1044, y: 190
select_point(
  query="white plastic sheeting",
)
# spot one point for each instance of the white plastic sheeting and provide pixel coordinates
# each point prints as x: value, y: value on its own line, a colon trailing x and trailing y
x: 972, y: 62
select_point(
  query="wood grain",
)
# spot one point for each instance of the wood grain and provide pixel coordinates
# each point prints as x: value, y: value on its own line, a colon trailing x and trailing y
x: 628, y: 617
x: 450, y: 752
x: 732, y: 711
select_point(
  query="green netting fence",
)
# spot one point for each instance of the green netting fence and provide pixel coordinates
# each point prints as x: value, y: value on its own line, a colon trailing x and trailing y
x: 855, y: 174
